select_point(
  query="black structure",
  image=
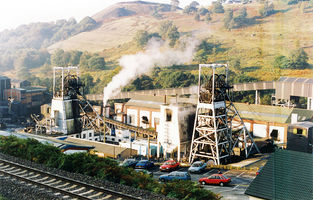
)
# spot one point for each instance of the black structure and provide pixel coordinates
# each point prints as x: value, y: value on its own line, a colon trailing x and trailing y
x: 300, y: 137
x: 288, y: 175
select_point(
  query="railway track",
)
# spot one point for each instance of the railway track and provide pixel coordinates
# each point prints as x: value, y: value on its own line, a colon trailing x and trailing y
x: 62, y: 186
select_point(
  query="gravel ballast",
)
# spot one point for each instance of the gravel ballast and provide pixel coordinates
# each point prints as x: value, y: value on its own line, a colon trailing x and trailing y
x: 13, y: 189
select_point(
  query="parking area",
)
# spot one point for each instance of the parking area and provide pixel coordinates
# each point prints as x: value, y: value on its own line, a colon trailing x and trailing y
x: 240, y: 180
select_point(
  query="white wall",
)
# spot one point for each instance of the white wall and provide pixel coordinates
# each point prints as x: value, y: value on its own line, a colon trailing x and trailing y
x: 281, y: 132
x: 259, y: 130
x: 156, y: 115
x: 133, y: 112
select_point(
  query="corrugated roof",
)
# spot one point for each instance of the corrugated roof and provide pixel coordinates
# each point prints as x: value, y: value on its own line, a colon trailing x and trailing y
x: 3, y: 77
x: 293, y: 79
x: 147, y: 101
x: 271, y: 113
x: 287, y: 175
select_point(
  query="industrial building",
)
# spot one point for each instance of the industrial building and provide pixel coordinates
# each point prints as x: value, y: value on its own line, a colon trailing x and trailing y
x: 271, y: 122
x: 5, y: 83
x: 29, y: 96
x: 172, y: 120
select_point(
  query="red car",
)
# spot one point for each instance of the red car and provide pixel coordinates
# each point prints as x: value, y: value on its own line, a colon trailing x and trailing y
x: 216, y: 179
x: 169, y: 165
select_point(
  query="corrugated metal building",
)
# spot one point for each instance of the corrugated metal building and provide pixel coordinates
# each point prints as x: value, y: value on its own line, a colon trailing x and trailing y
x: 5, y: 83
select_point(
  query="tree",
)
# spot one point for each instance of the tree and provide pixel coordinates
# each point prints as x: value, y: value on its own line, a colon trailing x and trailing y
x: 203, y: 11
x: 281, y: 62
x: 169, y: 31
x: 88, y: 82
x: 194, y: 4
x: 96, y: 62
x: 217, y: 7
x: 174, y: 4
x: 228, y: 19
x: 189, y: 10
x: 142, y: 83
x: 75, y: 57
x: 299, y: 59
x: 241, y: 19
x: 59, y: 58
x: 266, y: 9
x: 176, y: 79
x: 236, y: 65
x: 173, y: 35
x: 208, y: 17
x: 141, y: 38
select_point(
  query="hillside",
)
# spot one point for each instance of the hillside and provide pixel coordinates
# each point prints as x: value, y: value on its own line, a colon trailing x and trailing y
x: 124, y: 9
x: 256, y: 44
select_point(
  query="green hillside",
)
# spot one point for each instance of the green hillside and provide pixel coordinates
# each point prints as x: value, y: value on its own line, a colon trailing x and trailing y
x: 256, y: 47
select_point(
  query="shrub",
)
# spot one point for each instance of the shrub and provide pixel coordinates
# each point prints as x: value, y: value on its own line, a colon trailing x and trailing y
x: 102, y: 168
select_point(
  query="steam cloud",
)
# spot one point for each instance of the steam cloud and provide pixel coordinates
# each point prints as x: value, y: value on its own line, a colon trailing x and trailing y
x: 157, y: 53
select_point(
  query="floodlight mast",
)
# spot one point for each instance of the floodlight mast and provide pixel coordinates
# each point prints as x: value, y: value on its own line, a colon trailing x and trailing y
x: 213, y: 138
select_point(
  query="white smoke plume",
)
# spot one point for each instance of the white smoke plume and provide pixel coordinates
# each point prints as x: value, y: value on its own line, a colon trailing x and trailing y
x: 157, y: 53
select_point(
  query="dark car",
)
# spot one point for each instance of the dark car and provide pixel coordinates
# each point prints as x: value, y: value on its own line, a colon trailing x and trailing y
x: 215, y: 179
x: 129, y: 163
x: 176, y: 175
x: 144, y: 164
x: 169, y: 165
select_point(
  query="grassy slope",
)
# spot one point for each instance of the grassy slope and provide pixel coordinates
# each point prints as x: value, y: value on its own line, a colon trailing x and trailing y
x: 256, y: 45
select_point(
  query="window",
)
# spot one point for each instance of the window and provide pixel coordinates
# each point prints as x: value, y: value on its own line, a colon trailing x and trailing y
x: 84, y: 136
x: 145, y: 120
x: 131, y: 119
x: 90, y: 134
x: 168, y: 115
x: 299, y: 131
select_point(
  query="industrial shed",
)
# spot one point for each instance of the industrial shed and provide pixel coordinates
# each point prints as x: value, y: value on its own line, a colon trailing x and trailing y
x: 271, y: 121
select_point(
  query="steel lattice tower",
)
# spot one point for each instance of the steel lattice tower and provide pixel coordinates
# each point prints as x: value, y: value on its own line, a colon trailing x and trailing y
x: 214, y: 135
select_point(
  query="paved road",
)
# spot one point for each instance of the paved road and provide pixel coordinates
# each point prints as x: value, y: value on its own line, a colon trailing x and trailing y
x: 240, y: 182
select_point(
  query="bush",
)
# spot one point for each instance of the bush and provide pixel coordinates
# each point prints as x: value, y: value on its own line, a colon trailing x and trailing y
x: 102, y: 168
x: 217, y: 7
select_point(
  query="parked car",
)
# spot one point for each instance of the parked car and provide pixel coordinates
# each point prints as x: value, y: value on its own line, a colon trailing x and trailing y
x: 129, y: 163
x: 143, y: 171
x: 169, y: 165
x: 197, y: 167
x: 176, y: 175
x: 144, y: 164
x: 215, y: 179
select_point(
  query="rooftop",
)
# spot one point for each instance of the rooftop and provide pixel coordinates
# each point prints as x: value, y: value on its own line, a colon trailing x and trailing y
x: 272, y: 113
x: 3, y: 77
x: 286, y: 175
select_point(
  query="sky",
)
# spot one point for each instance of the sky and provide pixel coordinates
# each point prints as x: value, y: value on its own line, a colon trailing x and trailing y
x: 17, y: 12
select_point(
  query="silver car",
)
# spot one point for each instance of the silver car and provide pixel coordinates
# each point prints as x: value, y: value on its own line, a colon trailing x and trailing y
x: 197, y: 167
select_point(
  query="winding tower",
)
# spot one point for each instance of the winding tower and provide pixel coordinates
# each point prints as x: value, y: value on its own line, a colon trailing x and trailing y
x: 218, y: 127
